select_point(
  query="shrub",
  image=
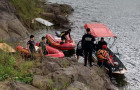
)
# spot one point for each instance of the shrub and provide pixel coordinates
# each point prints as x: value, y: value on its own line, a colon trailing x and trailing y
x: 13, y: 67
x: 27, y: 10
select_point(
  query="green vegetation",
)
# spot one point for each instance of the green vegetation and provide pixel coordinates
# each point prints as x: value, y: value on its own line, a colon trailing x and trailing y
x: 13, y: 67
x: 27, y: 10
x: 50, y: 83
x: 64, y: 63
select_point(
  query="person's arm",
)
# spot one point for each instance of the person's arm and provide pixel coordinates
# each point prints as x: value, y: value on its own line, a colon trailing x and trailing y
x: 83, y: 41
x: 28, y: 45
x: 93, y: 39
x: 110, y: 59
x: 70, y: 36
x: 40, y: 48
x: 105, y: 42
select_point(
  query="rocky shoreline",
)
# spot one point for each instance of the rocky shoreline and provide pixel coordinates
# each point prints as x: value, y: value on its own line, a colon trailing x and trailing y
x: 13, y: 28
x: 63, y: 74
x: 52, y: 73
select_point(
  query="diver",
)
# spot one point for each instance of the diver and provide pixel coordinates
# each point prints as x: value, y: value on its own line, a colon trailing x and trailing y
x: 88, y: 46
x: 64, y: 36
x: 79, y: 51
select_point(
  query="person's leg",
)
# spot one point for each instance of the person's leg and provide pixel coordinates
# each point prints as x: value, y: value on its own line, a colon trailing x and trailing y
x: 77, y: 58
x: 62, y: 39
x: 32, y: 54
x: 108, y: 67
x: 66, y: 40
x: 85, y: 56
x: 90, y: 57
x: 99, y: 63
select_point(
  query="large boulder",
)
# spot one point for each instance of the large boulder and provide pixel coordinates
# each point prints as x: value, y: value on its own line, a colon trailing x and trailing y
x: 43, y: 82
x: 10, y: 26
x: 6, y: 85
x: 77, y: 86
x: 58, y: 14
x: 67, y: 74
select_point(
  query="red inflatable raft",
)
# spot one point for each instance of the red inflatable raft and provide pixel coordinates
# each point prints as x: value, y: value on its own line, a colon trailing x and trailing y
x: 56, y: 43
x: 52, y: 51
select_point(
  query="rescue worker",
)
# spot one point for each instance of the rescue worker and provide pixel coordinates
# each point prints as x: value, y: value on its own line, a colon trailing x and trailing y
x: 101, y: 43
x: 79, y: 51
x: 63, y: 36
x: 88, y: 46
x: 104, y: 59
x: 31, y: 47
x: 42, y: 47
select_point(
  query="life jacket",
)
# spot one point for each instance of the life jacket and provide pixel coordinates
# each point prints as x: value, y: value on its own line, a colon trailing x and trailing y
x: 63, y: 33
x: 101, y: 55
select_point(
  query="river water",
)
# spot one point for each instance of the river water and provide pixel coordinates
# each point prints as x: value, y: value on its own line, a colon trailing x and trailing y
x: 123, y: 19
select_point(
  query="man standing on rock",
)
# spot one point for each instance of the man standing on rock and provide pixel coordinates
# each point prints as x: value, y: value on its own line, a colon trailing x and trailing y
x: 88, y: 46
x: 31, y: 47
x: 42, y: 47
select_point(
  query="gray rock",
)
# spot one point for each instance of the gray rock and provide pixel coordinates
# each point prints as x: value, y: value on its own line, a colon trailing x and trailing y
x: 21, y: 86
x: 10, y: 26
x: 77, y: 86
x: 43, y: 82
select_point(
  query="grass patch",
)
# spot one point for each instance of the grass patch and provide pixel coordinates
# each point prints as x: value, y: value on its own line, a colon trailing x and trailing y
x: 13, y: 67
x: 64, y: 63
x: 27, y: 10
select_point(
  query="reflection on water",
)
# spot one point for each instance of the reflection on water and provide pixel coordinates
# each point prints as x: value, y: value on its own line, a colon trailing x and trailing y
x: 120, y: 79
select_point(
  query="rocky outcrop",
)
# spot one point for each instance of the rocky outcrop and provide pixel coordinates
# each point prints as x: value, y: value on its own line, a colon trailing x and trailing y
x: 63, y: 74
x: 78, y: 86
x: 6, y: 85
x: 58, y: 13
x: 11, y: 28
x: 67, y: 74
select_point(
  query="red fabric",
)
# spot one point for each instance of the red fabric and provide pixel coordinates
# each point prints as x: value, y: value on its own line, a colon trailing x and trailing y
x: 99, y: 30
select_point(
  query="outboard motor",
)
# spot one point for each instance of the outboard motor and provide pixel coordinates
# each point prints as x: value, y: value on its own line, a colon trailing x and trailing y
x: 58, y: 33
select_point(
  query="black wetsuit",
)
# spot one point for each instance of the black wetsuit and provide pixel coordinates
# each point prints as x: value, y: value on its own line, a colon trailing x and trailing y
x: 101, y: 43
x: 88, y: 46
x: 79, y: 51
x: 108, y: 66
x: 63, y: 35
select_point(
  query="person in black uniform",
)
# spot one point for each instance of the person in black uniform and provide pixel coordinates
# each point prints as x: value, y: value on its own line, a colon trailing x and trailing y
x: 31, y: 47
x: 63, y: 36
x: 79, y: 51
x: 101, y: 43
x: 88, y: 46
x: 42, y: 47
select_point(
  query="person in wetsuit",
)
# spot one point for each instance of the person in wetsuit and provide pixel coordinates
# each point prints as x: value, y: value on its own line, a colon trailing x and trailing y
x: 31, y: 47
x: 42, y: 47
x: 79, y: 51
x: 88, y: 46
x: 101, y: 43
x: 63, y: 36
